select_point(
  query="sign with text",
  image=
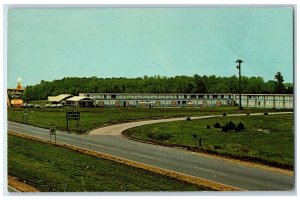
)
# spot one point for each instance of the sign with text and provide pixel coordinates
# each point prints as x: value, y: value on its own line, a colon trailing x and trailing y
x: 72, y: 115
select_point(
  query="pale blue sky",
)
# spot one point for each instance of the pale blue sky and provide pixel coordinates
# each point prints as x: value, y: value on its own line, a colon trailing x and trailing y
x: 48, y: 44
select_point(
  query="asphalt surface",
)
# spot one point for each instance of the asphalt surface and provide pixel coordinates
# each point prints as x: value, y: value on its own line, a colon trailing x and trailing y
x: 219, y: 170
x: 11, y: 189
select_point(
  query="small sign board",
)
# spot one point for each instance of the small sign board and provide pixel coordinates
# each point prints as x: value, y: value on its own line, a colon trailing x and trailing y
x: 72, y: 115
x: 52, y: 131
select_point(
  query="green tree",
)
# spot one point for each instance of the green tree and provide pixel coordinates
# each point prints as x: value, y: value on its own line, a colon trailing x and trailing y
x: 279, y: 87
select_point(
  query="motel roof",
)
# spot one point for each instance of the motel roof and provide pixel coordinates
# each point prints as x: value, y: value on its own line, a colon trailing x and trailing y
x: 59, y: 97
x: 80, y: 98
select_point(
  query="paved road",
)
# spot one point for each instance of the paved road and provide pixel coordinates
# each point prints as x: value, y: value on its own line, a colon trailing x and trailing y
x: 218, y: 170
x: 11, y: 189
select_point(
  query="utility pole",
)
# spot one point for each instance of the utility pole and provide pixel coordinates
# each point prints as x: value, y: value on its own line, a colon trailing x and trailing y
x: 239, y: 61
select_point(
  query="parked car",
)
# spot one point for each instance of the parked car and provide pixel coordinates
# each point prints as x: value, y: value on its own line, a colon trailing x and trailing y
x: 59, y: 105
x: 24, y: 105
x: 48, y: 105
x: 37, y: 106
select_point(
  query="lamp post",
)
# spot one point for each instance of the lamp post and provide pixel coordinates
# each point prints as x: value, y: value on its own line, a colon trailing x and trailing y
x: 239, y: 61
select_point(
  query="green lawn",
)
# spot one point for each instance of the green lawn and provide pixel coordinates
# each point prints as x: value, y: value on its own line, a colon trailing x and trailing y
x: 97, y: 117
x: 268, y: 139
x: 51, y: 168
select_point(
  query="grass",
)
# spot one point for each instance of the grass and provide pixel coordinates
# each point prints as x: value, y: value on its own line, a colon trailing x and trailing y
x: 267, y: 139
x: 51, y: 168
x: 98, y: 117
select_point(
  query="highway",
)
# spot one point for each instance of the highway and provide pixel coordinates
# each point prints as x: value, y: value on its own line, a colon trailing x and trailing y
x: 245, y: 177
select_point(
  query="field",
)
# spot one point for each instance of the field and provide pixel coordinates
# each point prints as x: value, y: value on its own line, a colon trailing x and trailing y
x: 267, y: 139
x: 98, y: 117
x: 51, y: 168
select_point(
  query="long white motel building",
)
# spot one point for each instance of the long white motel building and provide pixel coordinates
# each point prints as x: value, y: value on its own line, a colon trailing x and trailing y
x: 277, y: 101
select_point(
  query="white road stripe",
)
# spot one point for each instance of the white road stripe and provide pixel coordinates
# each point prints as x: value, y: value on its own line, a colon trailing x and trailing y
x: 210, y: 171
x: 141, y: 155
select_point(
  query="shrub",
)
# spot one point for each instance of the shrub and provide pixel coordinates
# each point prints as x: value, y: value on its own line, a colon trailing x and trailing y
x: 217, y: 125
x: 266, y: 113
x: 208, y: 126
x: 194, y: 136
x: 224, y: 128
x: 248, y: 113
x: 230, y: 125
x: 224, y: 114
x: 240, y: 127
x: 188, y: 119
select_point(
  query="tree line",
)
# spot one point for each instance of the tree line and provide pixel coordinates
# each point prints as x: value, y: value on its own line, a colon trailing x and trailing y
x: 156, y: 84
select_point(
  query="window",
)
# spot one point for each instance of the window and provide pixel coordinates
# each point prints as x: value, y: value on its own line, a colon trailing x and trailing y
x: 185, y: 96
x: 113, y: 96
x: 193, y: 96
x: 215, y: 96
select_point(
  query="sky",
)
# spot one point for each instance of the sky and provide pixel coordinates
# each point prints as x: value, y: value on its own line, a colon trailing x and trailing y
x: 48, y: 44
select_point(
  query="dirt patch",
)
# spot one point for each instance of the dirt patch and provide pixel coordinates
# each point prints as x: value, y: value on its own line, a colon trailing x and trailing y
x: 20, y: 186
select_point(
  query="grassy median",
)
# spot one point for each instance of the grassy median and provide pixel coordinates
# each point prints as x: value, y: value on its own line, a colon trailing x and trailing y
x: 98, y: 117
x: 51, y: 168
x: 266, y: 139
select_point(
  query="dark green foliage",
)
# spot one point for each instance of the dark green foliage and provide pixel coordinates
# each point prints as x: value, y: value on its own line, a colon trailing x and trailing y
x: 217, y: 125
x: 279, y: 88
x: 265, y: 113
x: 225, y: 128
x: 208, y: 126
x: 240, y: 127
x: 224, y: 114
x: 148, y: 84
x: 188, y: 119
x: 248, y: 113
x: 230, y: 125
x: 51, y: 168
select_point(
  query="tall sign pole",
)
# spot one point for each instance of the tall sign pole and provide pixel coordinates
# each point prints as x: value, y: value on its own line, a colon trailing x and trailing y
x: 239, y: 61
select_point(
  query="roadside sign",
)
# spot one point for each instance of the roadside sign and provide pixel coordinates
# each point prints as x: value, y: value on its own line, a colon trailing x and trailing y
x: 52, y: 131
x: 25, y: 116
x: 72, y: 115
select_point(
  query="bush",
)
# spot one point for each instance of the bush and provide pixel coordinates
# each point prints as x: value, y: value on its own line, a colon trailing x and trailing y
x: 248, y: 113
x: 266, y: 113
x: 217, y: 125
x: 194, y: 136
x: 224, y: 114
x: 230, y: 125
x: 208, y: 126
x: 224, y: 128
x: 240, y: 127
x: 188, y: 119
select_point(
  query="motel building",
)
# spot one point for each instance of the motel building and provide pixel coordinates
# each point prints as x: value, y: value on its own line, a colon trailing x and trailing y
x: 276, y: 101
